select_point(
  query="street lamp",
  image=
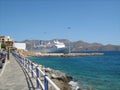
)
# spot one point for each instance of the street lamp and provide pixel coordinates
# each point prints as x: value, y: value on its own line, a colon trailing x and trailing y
x: 8, y: 53
x: 69, y: 48
x: 69, y: 41
x: 8, y: 49
x: 45, y: 43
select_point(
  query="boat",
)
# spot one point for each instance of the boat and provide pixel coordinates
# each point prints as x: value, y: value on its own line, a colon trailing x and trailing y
x: 50, y: 47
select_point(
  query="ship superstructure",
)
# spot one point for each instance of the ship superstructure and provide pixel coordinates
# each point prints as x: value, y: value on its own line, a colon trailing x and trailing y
x: 50, y: 47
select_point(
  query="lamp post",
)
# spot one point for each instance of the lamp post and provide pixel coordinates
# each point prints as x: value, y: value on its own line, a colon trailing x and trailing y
x: 45, y: 43
x: 8, y: 49
x: 69, y: 41
x: 69, y: 48
x: 8, y: 53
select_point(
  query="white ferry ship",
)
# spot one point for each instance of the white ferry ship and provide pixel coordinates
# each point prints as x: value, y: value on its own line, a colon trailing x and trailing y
x: 50, y: 47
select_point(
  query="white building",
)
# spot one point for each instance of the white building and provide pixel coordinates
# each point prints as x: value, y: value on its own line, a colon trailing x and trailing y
x: 20, y: 46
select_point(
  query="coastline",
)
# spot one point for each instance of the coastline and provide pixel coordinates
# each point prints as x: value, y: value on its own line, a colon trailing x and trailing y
x: 62, y: 80
x: 59, y: 78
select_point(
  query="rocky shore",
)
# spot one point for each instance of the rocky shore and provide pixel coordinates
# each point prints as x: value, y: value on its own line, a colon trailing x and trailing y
x: 60, y: 79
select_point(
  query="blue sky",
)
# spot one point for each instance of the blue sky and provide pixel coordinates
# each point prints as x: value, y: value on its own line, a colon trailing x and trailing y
x: 87, y: 20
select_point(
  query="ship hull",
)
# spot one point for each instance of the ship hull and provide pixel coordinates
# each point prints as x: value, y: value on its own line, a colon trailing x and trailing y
x: 50, y: 50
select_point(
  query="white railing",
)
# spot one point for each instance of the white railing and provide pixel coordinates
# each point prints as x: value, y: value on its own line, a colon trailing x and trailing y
x: 42, y: 80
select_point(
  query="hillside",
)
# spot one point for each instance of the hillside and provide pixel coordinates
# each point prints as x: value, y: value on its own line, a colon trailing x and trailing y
x: 77, y: 45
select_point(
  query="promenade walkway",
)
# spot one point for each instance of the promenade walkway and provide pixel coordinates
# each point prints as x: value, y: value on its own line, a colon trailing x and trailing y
x: 14, y: 77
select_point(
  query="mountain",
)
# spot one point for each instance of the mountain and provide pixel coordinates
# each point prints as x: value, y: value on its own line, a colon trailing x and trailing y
x: 81, y: 46
x: 77, y: 45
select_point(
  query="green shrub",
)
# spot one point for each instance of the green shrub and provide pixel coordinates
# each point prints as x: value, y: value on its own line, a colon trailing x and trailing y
x: 3, y: 46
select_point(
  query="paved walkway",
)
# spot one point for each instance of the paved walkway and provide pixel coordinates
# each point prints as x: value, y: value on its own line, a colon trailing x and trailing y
x: 14, y: 77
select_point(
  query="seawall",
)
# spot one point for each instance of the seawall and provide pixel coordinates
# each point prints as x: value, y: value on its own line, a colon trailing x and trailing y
x: 28, y: 53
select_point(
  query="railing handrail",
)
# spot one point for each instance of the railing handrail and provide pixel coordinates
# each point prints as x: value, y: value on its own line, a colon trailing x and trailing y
x: 52, y: 83
x: 29, y: 66
x: 49, y: 80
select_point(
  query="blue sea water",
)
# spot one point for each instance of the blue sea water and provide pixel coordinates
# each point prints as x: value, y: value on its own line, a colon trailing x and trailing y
x: 98, y: 72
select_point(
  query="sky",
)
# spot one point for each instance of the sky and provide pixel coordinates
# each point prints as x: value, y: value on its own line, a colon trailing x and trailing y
x: 86, y: 20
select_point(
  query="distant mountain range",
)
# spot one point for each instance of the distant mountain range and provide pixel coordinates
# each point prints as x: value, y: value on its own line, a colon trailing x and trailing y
x: 77, y: 45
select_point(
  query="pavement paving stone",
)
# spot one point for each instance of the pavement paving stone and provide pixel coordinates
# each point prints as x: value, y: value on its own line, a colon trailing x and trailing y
x: 14, y: 77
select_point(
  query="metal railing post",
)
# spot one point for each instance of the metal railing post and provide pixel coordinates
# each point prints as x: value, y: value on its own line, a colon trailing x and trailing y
x: 21, y: 60
x: 37, y: 76
x: 45, y: 82
x: 28, y: 65
x: 24, y: 62
x: 32, y: 70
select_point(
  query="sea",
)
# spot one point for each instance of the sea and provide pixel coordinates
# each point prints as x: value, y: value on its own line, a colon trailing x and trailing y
x: 97, y: 72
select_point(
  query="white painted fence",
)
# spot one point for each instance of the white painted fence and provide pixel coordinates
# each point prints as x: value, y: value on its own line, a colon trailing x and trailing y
x: 36, y: 73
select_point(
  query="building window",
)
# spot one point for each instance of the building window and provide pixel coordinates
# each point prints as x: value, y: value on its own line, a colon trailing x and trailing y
x: 3, y: 40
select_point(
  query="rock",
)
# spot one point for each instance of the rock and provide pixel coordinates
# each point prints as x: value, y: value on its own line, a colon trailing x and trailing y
x: 48, y: 70
x: 43, y: 68
x: 74, y: 85
x: 40, y: 65
x: 53, y: 76
x: 69, y: 78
